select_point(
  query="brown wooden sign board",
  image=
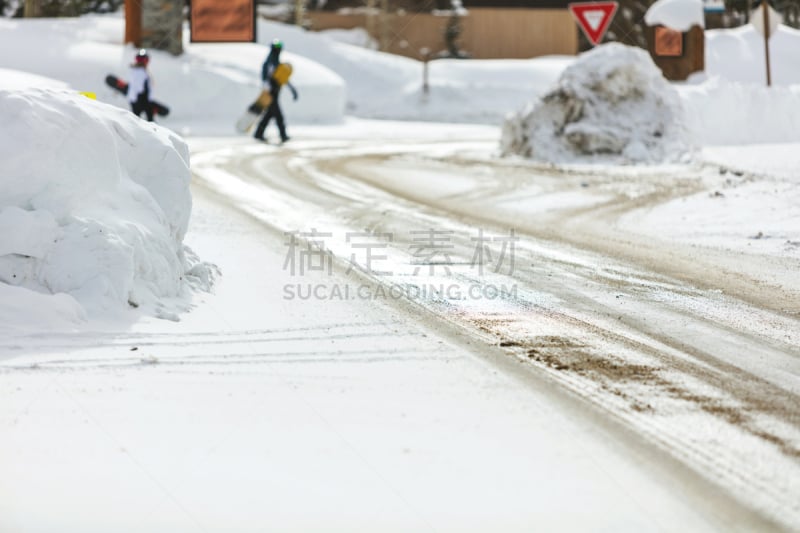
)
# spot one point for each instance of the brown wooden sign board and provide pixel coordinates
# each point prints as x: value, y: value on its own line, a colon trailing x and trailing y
x: 668, y: 42
x: 222, y: 21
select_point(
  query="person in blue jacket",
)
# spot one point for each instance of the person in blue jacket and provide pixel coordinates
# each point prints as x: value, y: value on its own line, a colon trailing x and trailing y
x: 274, y: 109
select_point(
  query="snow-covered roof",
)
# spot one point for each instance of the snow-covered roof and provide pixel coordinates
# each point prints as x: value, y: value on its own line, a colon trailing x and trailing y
x: 678, y: 15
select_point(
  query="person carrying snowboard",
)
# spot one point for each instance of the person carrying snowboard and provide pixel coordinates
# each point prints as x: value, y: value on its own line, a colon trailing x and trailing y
x: 139, y: 86
x: 275, y: 75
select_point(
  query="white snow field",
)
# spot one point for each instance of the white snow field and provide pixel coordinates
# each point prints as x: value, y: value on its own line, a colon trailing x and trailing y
x: 385, y: 324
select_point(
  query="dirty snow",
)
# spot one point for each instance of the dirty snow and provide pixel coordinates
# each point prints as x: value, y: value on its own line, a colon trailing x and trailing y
x: 613, y: 101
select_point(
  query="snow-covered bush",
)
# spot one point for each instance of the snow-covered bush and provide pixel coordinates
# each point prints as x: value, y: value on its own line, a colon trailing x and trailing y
x: 94, y: 203
x: 612, y: 101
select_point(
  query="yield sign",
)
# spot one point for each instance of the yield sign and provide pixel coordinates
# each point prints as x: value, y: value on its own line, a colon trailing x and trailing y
x: 593, y: 18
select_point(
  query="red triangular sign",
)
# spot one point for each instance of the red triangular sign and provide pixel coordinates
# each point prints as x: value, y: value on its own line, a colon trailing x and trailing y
x: 593, y: 18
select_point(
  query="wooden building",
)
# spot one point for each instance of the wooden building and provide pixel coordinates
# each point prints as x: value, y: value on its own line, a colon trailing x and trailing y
x: 488, y: 30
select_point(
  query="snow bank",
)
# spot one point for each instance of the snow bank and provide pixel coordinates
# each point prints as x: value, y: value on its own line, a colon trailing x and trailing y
x: 14, y: 79
x: 20, y: 308
x: 387, y: 86
x: 731, y: 104
x: 613, y: 101
x: 738, y: 55
x: 214, y: 83
x: 353, y: 36
x: 94, y: 205
x: 721, y: 112
x: 208, y: 87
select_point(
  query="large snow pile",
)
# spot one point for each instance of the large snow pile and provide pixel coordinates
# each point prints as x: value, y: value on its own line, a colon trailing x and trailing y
x: 612, y: 101
x: 94, y: 205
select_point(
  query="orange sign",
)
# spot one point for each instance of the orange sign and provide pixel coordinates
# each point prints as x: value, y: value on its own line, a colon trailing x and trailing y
x: 223, y: 21
x: 668, y: 42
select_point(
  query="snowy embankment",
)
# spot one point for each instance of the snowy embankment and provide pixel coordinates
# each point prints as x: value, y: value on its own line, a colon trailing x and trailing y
x: 720, y: 112
x: 93, y: 210
x: 210, y: 85
x: 730, y: 103
x: 387, y: 86
x: 206, y: 88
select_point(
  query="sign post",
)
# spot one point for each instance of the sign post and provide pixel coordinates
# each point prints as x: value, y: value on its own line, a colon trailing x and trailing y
x: 594, y: 18
x: 765, y: 9
x: 766, y: 20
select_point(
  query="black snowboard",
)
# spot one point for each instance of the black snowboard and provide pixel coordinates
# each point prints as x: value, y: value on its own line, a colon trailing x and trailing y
x: 122, y: 86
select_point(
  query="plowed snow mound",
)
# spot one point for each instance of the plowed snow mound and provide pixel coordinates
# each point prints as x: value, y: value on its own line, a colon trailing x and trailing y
x: 611, y: 104
x: 94, y: 205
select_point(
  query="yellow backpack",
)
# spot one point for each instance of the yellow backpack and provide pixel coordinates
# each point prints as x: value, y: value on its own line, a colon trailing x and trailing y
x: 282, y: 73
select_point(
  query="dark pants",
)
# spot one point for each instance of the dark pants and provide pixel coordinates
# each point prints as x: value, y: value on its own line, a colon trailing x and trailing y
x: 143, y: 105
x: 274, y: 110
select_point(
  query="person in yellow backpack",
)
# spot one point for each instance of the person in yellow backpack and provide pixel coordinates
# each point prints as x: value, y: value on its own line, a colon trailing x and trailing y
x: 275, y: 75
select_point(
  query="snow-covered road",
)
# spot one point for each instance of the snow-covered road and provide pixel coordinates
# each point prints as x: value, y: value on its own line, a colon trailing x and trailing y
x: 694, y: 347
